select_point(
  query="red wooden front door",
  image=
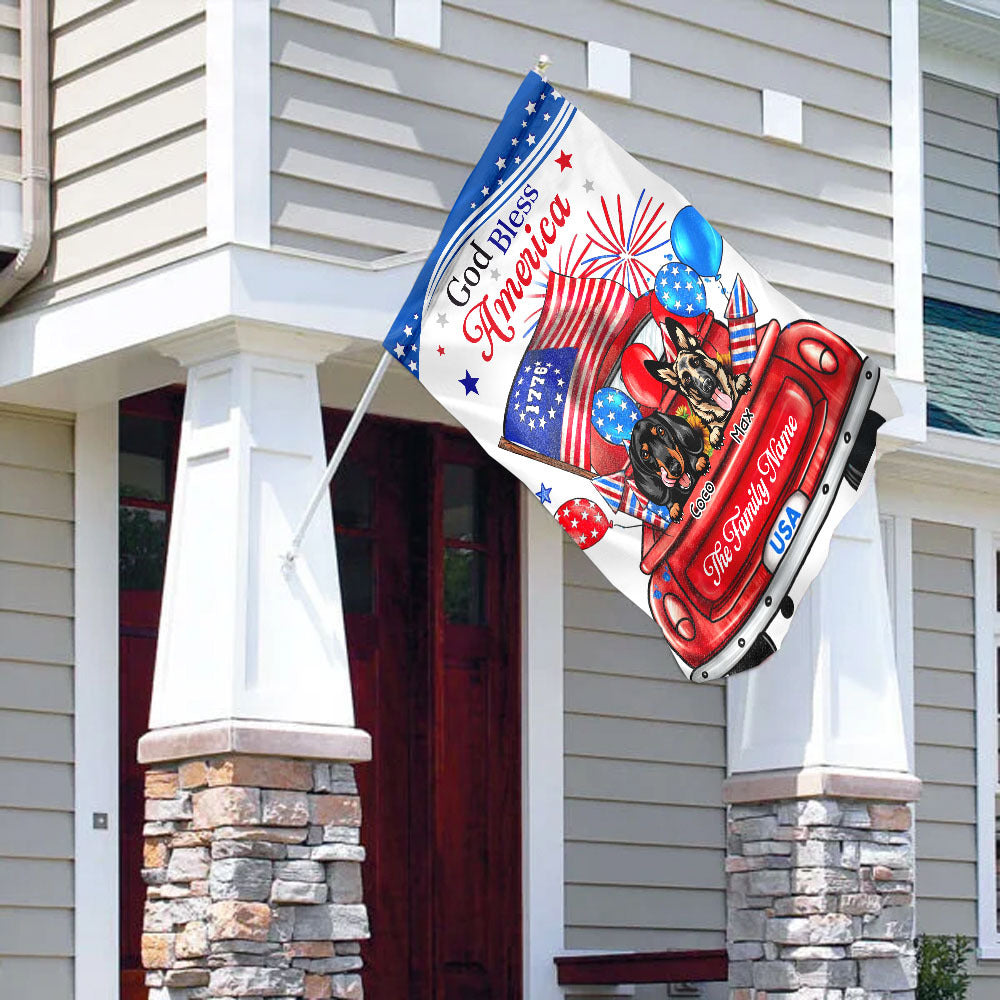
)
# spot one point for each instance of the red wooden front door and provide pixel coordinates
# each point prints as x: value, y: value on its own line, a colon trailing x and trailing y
x: 427, y: 542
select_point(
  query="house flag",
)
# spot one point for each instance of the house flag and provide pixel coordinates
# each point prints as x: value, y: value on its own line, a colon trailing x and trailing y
x: 692, y: 431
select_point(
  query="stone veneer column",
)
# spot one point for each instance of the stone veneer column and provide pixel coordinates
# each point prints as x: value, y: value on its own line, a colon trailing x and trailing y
x: 253, y: 868
x: 819, y: 879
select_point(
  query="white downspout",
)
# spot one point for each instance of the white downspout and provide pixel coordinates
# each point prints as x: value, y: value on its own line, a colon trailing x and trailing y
x: 36, y: 225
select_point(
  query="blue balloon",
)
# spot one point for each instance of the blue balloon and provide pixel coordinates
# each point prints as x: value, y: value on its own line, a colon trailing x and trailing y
x: 695, y: 242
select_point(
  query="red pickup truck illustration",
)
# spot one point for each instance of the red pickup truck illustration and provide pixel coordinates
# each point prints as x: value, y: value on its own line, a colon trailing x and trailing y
x: 733, y: 443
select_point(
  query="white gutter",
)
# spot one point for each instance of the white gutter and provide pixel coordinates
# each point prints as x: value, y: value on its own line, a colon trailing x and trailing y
x: 36, y: 227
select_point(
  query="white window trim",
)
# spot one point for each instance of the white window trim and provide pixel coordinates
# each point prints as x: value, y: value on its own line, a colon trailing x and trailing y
x: 987, y: 635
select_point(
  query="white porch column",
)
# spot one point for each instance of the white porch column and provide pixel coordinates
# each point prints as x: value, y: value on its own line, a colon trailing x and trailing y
x: 819, y: 855
x: 829, y: 698
x: 251, y: 656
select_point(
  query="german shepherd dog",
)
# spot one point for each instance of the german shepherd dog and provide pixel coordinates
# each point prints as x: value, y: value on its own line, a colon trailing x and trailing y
x: 709, y: 386
x: 667, y: 454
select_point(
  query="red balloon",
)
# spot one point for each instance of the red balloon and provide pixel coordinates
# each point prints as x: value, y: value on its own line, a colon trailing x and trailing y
x: 642, y: 387
x: 584, y: 521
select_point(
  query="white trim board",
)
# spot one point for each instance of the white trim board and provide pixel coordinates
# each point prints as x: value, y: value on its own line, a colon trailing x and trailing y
x: 907, y: 192
x: 542, y: 747
x: 986, y: 620
x: 238, y: 121
x: 949, y: 63
x: 95, y: 700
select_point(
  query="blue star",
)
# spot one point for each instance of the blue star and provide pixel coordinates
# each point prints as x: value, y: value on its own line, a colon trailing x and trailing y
x: 469, y: 383
x: 545, y: 494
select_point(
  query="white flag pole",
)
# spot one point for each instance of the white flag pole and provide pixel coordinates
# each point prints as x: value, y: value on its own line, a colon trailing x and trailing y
x: 342, y: 445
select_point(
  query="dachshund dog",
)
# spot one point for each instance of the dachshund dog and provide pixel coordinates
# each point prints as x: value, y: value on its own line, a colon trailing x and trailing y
x: 667, y: 453
x: 709, y: 386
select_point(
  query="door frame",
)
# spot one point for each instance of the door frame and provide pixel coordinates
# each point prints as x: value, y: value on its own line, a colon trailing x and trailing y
x: 95, y: 702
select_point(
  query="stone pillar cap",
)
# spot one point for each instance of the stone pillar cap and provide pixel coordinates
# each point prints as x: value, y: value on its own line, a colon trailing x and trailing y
x: 252, y: 736
x: 821, y: 783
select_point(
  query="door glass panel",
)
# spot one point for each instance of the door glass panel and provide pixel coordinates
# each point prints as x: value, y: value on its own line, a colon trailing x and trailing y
x: 352, y: 498
x: 463, y: 506
x: 142, y: 533
x: 357, y: 580
x: 464, y: 586
x: 144, y: 449
x: 353, y: 492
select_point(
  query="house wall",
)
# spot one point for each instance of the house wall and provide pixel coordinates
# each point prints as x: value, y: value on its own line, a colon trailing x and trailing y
x: 945, y: 738
x: 128, y: 141
x: 645, y: 759
x: 371, y: 138
x: 962, y: 194
x: 10, y: 90
x: 36, y: 706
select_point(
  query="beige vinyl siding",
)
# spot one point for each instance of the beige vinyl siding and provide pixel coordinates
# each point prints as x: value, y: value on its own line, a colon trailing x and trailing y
x: 10, y: 90
x: 372, y: 139
x: 36, y: 706
x: 961, y: 194
x: 644, y: 766
x: 128, y: 143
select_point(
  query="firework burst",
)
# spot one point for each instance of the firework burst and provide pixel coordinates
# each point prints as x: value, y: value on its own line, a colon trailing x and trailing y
x: 622, y: 251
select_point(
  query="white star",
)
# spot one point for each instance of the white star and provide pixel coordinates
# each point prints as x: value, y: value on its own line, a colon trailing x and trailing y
x: 501, y: 162
x: 674, y: 271
x: 541, y: 96
x: 522, y: 416
x: 560, y: 382
x: 400, y: 350
x: 531, y: 140
x: 690, y: 307
x: 556, y: 370
x: 688, y: 285
x: 517, y: 159
x: 541, y: 421
x: 558, y: 397
x: 552, y: 414
x: 486, y: 191
x: 413, y: 366
x: 407, y: 330
x: 499, y: 183
x: 530, y: 108
x: 555, y: 93
x: 520, y: 381
x: 620, y: 428
x: 473, y: 204
x: 600, y: 421
x: 546, y: 116
x: 524, y: 124
x: 677, y: 284
x: 595, y: 532
x: 513, y: 142
x: 586, y: 515
x: 531, y: 423
x: 573, y: 523
x: 624, y: 405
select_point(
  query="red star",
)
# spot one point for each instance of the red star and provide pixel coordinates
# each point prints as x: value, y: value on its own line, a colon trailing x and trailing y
x: 440, y: 349
x: 563, y: 160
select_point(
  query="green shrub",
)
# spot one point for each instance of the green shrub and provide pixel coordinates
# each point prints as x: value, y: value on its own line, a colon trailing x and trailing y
x: 941, y: 971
